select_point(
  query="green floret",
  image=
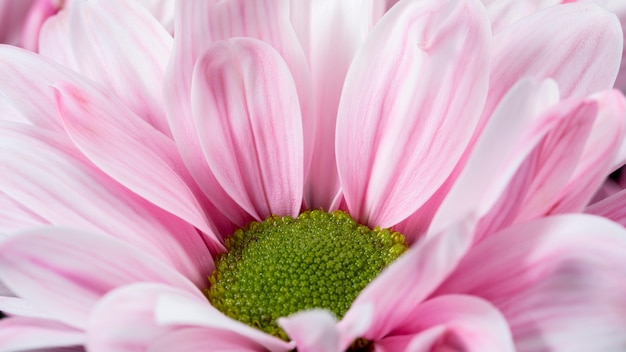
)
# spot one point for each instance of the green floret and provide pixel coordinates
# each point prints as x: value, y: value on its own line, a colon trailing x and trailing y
x: 284, y: 265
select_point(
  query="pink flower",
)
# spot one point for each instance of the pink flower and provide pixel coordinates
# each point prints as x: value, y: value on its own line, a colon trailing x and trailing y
x: 123, y: 175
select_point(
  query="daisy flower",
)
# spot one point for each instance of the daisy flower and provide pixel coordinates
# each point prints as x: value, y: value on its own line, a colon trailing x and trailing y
x: 317, y: 176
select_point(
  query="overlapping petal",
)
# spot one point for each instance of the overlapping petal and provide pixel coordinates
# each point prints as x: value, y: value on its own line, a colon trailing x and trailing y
x: 24, y: 334
x: 417, y: 82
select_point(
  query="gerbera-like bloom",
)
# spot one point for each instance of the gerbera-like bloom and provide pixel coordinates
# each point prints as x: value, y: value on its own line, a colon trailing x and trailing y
x: 136, y: 160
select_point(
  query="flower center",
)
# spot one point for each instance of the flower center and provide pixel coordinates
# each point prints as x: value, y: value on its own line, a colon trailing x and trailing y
x: 284, y: 265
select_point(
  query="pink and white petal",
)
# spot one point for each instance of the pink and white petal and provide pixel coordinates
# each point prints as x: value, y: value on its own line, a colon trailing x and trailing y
x: 191, y: 339
x: 15, y: 306
x: 12, y: 16
x: 163, y: 11
x: 130, y: 151
x: 423, y: 342
x: 46, y: 177
x: 517, y: 125
x: 347, y: 23
x: 558, y: 286
x: 25, y: 91
x: 416, y: 274
x: 312, y: 331
x: 78, y: 268
x: 246, y: 108
x: 189, y: 42
x: 185, y: 311
x: 122, y: 46
x: 402, y: 104
x: 458, y: 323
x: 612, y: 207
x: 123, y: 320
x: 54, y: 40
x: 16, y: 217
x: 38, y: 14
x: 618, y: 7
x: 601, y: 155
x: 589, y: 39
x: 20, y: 334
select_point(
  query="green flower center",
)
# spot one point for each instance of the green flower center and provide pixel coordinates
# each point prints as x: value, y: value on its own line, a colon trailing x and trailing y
x: 284, y: 265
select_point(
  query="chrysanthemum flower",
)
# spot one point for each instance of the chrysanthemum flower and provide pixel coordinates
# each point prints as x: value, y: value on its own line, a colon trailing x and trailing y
x: 122, y: 183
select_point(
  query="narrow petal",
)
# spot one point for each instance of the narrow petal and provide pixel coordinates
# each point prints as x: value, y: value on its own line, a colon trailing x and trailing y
x: 44, y: 175
x: 120, y: 45
x: 179, y: 310
x: 612, y: 207
x: 124, y: 319
x: 245, y: 106
x: 312, y: 331
x: 459, y: 322
x: 415, y: 274
x: 347, y: 22
x: 402, y: 104
x: 15, y: 217
x: 130, y: 151
x: 191, y: 339
x: 20, y: 334
x: 517, y: 125
x: 558, y: 285
x: 78, y: 268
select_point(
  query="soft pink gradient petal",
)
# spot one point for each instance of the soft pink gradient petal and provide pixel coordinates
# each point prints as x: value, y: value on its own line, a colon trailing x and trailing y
x: 589, y: 41
x: 601, y: 155
x: 203, y: 339
x: 399, y: 289
x: 556, y: 280
x: 417, y: 82
x: 517, y: 125
x: 51, y: 179
x: 24, y: 334
x: 38, y: 14
x: 16, y: 217
x: 131, y: 152
x: 119, y: 44
x: 183, y: 310
x: 347, y: 22
x: 124, y: 319
x: 245, y: 105
x: 312, y: 331
x: 612, y: 207
x: 19, y: 307
x: 455, y: 323
x: 78, y: 268
x: 12, y: 16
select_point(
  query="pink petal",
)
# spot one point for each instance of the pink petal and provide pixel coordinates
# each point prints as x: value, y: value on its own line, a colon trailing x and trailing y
x: 347, y: 22
x: 246, y: 108
x: 402, y: 104
x: 131, y: 152
x: 15, y: 306
x: 39, y: 12
x: 602, y: 150
x: 517, y: 125
x: 415, y: 274
x: 15, y: 217
x: 312, y: 331
x: 179, y: 310
x: 20, y: 334
x: 455, y: 322
x: 78, y: 268
x: 559, y: 284
x: 203, y: 339
x: 12, y: 16
x: 120, y: 45
x: 588, y: 41
x: 44, y: 175
x: 124, y: 319
x: 612, y: 207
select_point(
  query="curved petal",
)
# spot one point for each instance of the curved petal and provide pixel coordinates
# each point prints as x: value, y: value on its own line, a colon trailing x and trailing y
x: 120, y: 45
x: 179, y: 310
x: 312, y: 331
x: 20, y: 334
x: 41, y: 173
x: 415, y: 274
x: 559, y: 284
x: 130, y: 151
x: 203, y: 339
x: 455, y: 322
x: 517, y: 125
x: 246, y: 109
x: 124, y: 320
x: 418, y: 82
x: 612, y: 207
x: 330, y: 33
x: 15, y: 306
x: 15, y: 217
x: 77, y: 268
x: 12, y: 15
